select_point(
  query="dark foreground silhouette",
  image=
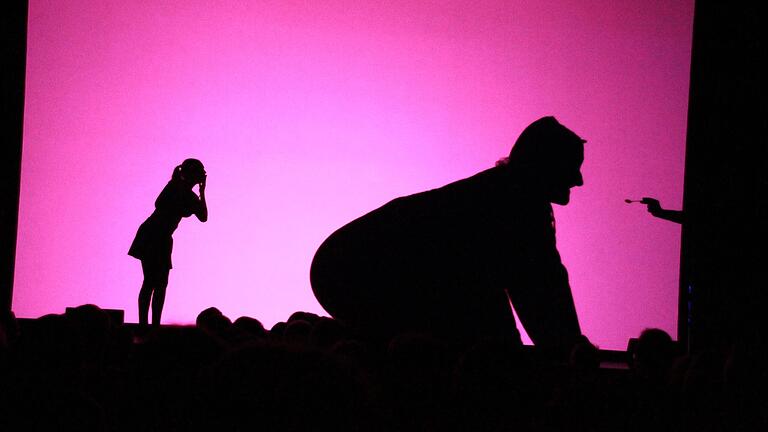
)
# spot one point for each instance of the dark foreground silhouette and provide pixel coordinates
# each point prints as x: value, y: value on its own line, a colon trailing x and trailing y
x: 153, y: 243
x: 446, y: 260
x: 79, y: 371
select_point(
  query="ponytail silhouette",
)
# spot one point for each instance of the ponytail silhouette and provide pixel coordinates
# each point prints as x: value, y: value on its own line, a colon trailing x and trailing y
x: 176, y: 173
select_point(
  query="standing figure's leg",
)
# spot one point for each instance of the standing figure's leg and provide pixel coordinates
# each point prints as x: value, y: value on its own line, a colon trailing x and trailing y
x: 152, y: 290
x: 158, y: 299
x: 145, y: 294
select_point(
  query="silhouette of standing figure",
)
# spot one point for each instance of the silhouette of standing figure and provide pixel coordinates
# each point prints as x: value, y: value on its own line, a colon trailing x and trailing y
x: 154, y: 242
x: 448, y: 261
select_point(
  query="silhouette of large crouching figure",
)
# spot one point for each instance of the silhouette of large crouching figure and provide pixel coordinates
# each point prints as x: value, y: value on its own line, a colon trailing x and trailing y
x: 446, y: 260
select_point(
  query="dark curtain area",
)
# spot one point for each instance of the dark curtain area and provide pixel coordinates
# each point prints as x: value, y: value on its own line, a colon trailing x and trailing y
x: 726, y: 178
x: 13, y: 34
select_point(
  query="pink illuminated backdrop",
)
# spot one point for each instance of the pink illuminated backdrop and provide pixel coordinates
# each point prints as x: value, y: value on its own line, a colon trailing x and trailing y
x: 309, y: 114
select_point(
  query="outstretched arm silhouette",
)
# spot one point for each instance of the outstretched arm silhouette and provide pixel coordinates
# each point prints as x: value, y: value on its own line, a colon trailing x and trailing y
x: 654, y: 208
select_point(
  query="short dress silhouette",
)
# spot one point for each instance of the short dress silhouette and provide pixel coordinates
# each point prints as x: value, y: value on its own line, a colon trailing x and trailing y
x: 153, y: 243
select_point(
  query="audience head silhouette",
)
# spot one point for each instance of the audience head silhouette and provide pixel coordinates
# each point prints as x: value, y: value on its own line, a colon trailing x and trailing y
x: 654, y: 354
x: 213, y: 321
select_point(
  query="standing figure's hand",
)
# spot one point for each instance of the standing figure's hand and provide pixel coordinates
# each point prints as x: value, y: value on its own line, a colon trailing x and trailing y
x: 202, y: 184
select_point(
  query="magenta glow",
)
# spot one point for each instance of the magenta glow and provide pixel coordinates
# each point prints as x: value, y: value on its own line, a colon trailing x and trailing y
x: 309, y: 114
